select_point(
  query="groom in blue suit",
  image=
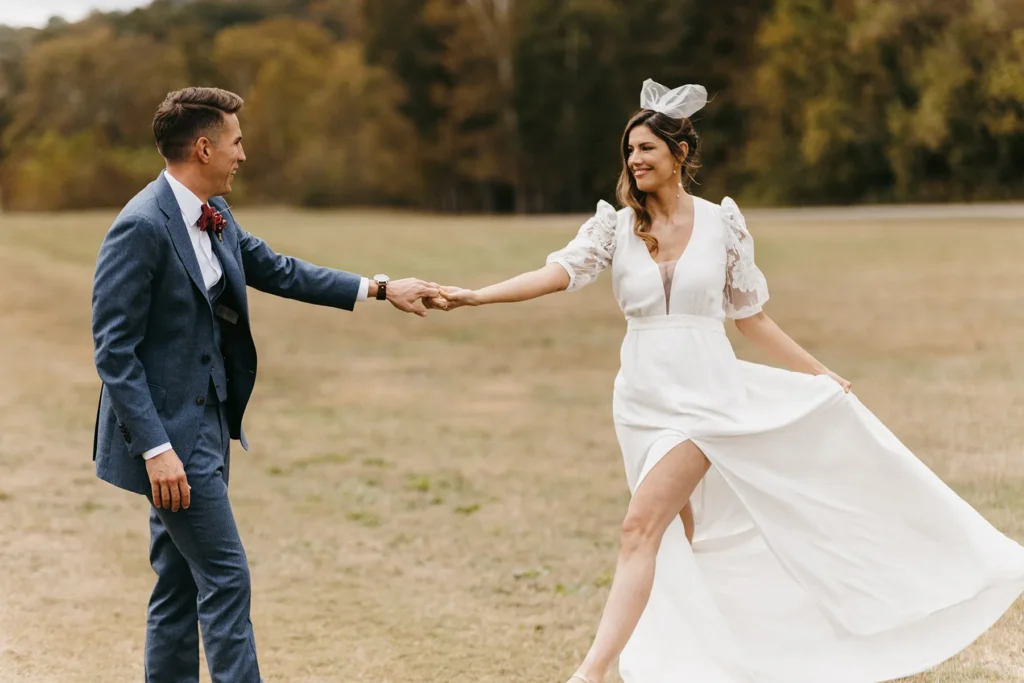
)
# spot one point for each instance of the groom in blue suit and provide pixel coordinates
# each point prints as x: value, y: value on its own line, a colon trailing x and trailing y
x: 175, y: 352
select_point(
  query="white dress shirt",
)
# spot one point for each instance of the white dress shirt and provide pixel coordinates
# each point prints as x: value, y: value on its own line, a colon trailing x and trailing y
x: 191, y: 210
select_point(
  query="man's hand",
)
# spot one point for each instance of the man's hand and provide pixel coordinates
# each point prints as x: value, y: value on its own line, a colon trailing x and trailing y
x: 167, y: 476
x: 411, y: 294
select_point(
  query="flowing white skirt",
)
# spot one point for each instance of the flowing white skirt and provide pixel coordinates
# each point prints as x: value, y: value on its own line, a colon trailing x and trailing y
x: 824, y: 550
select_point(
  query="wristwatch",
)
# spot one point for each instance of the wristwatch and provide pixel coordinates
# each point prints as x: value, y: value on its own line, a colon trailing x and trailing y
x: 382, y: 286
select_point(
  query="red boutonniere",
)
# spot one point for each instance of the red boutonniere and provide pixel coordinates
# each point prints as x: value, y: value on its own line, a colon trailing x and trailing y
x: 211, y: 220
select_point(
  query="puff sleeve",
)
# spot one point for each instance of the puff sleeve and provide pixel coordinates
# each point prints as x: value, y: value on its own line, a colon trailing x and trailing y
x: 591, y: 250
x: 746, y: 289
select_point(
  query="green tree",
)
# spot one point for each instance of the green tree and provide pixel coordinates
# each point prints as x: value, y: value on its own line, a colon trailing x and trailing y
x: 324, y: 127
x: 96, y: 81
x: 277, y: 66
x: 14, y: 45
x: 882, y: 101
x: 363, y: 150
x: 85, y: 112
x: 519, y: 104
x: 818, y: 104
x: 954, y: 136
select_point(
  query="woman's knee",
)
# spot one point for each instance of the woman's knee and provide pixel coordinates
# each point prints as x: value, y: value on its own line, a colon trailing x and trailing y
x: 686, y: 515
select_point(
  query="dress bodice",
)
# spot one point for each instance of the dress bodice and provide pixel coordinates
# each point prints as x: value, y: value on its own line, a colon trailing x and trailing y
x: 715, y: 276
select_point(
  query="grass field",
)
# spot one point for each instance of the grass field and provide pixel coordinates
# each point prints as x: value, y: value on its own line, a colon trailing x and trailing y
x: 438, y: 500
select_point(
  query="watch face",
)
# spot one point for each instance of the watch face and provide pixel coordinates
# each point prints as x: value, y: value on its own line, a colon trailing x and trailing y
x: 381, y: 278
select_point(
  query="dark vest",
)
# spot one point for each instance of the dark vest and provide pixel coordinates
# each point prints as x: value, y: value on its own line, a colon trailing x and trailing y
x: 232, y: 375
x: 218, y: 375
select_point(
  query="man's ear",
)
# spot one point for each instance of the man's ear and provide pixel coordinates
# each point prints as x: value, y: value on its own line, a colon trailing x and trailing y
x: 203, y: 149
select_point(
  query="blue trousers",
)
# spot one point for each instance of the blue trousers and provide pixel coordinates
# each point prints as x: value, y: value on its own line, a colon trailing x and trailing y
x: 202, y: 574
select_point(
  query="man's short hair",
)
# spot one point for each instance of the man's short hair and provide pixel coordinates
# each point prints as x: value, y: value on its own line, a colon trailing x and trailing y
x: 186, y: 115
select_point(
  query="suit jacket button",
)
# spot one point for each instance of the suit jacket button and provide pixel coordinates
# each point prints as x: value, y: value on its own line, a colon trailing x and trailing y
x: 200, y: 401
x: 206, y: 358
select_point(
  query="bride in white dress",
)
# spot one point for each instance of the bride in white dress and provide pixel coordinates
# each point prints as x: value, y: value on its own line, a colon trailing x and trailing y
x: 777, y: 531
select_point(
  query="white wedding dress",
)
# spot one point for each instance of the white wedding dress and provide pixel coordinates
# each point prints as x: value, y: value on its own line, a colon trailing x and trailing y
x: 824, y: 551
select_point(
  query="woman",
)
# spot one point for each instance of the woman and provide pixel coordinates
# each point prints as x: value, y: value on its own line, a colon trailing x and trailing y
x: 822, y: 549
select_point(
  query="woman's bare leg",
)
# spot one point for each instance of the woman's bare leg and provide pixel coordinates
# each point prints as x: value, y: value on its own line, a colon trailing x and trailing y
x: 686, y: 514
x: 663, y: 493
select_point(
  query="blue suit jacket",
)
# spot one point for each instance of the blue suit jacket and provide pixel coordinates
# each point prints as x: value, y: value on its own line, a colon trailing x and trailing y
x: 153, y: 328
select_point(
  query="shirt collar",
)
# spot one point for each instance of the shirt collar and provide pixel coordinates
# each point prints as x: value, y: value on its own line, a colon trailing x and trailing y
x: 191, y: 206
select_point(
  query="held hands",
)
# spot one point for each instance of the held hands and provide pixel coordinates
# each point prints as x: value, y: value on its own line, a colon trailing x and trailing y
x: 413, y: 295
x: 450, y: 298
x: 167, y: 477
x: 456, y: 297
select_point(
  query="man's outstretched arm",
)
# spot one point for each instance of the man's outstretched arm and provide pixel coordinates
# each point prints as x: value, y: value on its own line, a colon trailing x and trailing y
x: 294, y: 278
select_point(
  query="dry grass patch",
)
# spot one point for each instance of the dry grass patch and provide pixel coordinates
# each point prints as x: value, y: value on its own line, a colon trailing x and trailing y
x: 439, y: 499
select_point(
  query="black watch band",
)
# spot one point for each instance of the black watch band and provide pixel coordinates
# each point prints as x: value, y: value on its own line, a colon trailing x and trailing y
x: 382, y: 281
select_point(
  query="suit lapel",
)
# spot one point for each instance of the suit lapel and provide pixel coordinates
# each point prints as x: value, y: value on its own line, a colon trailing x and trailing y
x: 179, y: 233
x: 232, y: 269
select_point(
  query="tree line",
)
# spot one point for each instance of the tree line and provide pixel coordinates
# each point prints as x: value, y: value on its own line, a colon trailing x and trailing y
x: 518, y: 105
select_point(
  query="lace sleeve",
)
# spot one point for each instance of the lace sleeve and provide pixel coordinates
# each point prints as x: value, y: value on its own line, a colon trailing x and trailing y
x: 746, y: 290
x: 591, y: 250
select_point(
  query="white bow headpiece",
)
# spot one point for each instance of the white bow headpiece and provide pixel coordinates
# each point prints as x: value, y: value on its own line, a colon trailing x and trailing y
x: 681, y: 103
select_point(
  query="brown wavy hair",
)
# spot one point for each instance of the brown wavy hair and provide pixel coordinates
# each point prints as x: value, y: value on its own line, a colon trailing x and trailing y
x: 674, y: 132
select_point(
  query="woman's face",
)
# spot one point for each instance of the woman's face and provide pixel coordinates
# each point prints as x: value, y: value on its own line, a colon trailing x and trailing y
x: 650, y: 161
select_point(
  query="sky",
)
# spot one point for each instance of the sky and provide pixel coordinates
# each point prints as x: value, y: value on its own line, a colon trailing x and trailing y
x: 38, y: 12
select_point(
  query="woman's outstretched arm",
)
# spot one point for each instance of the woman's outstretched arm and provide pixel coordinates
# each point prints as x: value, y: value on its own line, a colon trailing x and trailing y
x: 536, y: 283
x: 570, y: 268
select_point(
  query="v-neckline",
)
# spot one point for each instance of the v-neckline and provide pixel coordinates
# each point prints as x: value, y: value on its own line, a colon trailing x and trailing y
x: 689, y: 241
x: 673, y: 265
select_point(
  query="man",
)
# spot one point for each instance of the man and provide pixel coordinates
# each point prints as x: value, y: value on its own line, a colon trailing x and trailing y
x: 175, y: 352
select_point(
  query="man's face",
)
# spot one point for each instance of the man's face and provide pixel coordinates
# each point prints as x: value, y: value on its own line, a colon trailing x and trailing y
x: 224, y: 155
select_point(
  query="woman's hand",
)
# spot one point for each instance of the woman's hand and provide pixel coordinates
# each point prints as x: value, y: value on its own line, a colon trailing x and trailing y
x: 845, y: 384
x: 457, y: 297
